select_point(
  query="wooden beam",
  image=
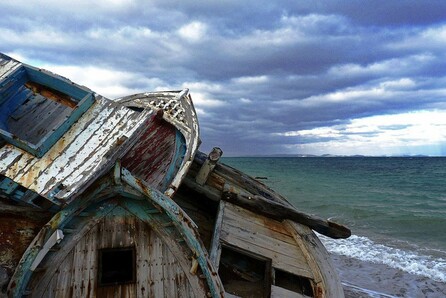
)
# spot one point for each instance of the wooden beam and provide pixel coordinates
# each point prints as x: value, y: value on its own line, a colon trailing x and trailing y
x: 215, y: 250
x: 208, y: 165
x: 280, y: 211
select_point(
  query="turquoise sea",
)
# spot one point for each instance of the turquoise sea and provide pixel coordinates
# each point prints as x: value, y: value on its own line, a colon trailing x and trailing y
x: 395, y: 207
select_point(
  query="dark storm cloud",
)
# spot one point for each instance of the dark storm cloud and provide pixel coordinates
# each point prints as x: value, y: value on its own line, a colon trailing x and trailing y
x: 257, y: 70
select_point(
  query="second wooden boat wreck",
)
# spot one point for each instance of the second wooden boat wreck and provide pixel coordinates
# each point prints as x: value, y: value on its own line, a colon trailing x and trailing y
x: 260, y: 244
x: 102, y: 198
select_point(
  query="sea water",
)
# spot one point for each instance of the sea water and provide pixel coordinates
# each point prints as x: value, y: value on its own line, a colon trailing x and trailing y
x: 395, y: 207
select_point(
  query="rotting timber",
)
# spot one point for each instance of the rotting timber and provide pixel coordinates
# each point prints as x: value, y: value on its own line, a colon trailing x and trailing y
x: 260, y: 244
x: 87, y: 183
x: 102, y: 198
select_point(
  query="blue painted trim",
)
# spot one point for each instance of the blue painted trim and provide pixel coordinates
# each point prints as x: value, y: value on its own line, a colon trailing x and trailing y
x: 7, y: 186
x: 23, y: 273
x: 106, y: 188
x: 183, y: 223
x: 177, y: 160
x: 13, y: 94
x: 15, y: 192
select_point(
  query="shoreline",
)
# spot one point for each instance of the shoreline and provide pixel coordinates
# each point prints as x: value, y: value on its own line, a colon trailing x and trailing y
x: 366, y: 279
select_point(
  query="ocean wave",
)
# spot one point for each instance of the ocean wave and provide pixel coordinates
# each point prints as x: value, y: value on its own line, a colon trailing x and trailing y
x: 364, y: 249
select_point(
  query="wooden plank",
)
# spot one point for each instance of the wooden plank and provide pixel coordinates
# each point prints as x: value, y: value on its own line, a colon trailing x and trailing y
x: 185, y: 226
x: 37, y: 126
x: 327, y: 280
x: 62, y: 283
x: 93, y: 149
x: 237, y: 216
x: 65, y: 148
x: 289, y: 261
x: 157, y: 267
x: 78, y: 268
x: 277, y: 210
x: 142, y: 242
x: 283, y: 248
x: 70, y: 244
x: 278, y: 292
x: 35, y: 173
x: 237, y: 230
x: 44, y: 125
x: 104, y: 158
x: 151, y: 157
x: 52, y: 94
x: 8, y: 157
x: 7, y: 67
x: 20, y: 165
x: 169, y: 272
x: 184, y: 288
x: 215, y: 251
x: 282, y: 262
x: 92, y: 263
x: 85, y: 147
x: 210, y: 193
x: 169, y: 238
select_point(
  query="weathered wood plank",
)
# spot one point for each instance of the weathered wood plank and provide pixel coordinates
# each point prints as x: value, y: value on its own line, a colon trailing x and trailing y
x: 93, y: 150
x: 184, y: 288
x: 169, y: 273
x: 279, y: 261
x: 78, y: 267
x: 109, y: 152
x: 288, y: 260
x: 237, y: 216
x: 326, y: 277
x: 7, y: 66
x: 65, y: 148
x: 32, y: 122
x: 142, y: 241
x: 215, y: 251
x: 149, y: 158
x: 70, y: 245
x: 91, y: 132
x: 284, y: 248
x: 60, y: 285
x: 8, y: 158
x: 276, y: 210
x: 185, y: 226
x: 278, y: 292
x: 238, y: 221
x: 238, y: 230
x: 157, y: 267
x: 210, y: 193
x: 170, y: 240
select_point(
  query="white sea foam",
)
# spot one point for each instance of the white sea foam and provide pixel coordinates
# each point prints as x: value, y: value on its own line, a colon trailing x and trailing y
x: 362, y: 248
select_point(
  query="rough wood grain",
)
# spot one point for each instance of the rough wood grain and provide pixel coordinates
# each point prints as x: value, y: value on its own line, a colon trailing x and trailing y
x: 327, y: 280
x: 237, y: 231
x: 276, y: 210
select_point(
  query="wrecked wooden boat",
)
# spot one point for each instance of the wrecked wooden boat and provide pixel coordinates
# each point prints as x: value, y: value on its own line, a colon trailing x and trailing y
x: 85, y: 187
x: 102, y: 198
x: 259, y: 243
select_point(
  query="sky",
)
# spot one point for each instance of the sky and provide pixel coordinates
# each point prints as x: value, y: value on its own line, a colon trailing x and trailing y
x: 266, y: 77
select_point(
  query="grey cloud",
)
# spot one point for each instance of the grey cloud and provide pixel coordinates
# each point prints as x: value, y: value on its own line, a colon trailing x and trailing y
x: 304, y: 52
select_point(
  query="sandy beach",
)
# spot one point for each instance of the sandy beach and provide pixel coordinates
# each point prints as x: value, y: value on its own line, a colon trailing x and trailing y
x: 365, y: 279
